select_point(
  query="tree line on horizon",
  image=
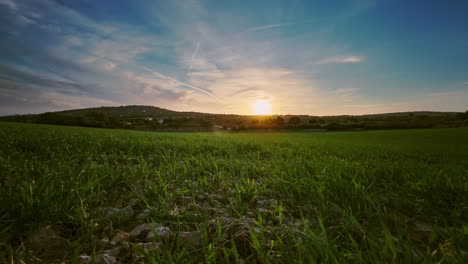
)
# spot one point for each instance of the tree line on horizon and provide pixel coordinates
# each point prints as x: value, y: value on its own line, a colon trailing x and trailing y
x: 204, y: 122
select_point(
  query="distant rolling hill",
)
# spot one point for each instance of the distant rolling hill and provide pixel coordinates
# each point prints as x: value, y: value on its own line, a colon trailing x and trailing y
x: 142, y: 117
x: 132, y: 112
x: 143, y: 111
x: 416, y: 113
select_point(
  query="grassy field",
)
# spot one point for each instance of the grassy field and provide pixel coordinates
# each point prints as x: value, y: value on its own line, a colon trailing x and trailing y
x: 370, y: 196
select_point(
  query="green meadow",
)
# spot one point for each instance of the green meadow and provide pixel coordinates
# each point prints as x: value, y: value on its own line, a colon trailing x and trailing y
x: 73, y: 195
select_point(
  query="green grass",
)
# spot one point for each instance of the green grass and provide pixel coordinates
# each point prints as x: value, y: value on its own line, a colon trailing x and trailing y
x: 370, y: 196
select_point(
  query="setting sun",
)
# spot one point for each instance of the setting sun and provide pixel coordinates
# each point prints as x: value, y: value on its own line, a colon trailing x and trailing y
x: 261, y: 107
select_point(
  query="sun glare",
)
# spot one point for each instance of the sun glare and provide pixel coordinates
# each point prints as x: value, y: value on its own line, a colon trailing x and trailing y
x: 261, y: 107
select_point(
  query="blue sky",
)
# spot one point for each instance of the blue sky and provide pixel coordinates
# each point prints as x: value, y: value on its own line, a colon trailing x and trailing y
x: 305, y: 57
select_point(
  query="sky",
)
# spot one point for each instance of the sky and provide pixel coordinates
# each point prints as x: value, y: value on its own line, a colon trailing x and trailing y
x: 305, y: 57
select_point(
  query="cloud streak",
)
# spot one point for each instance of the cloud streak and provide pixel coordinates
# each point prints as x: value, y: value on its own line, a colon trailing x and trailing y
x: 193, y: 57
x: 180, y: 83
x: 342, y: 59
x: 266, y: 27
x: 9, y: 4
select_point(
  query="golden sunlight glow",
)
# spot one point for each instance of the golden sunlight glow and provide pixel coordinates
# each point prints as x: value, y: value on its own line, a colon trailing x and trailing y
x: 261, y: 107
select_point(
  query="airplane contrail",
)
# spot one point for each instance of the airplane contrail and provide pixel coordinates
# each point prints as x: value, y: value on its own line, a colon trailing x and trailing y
x: 181, y: 83
x: 252, y: 29
x: 160, y: 74
x: 193, y: 57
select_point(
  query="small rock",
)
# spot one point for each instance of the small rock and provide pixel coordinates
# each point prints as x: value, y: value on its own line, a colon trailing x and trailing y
x: 150, y: 247
x: 163, y: 233
x: 190, y: 240
x: 271, y: 203
x: 201, y: 197
x: 103, y: 242
x: 194, y: 214
x: 141, y: 230
x: 264, y: 210
x: 263, y: 203
x: 84, y: 259
x: 113, y: 252
x: 209, y: 209
x: 175, y: 211
x: 105, y: 259
x: 216, y: 196
x: 48, y: 241
x: 119, y: 213
x: 216, y: 203
x: 118, y: 203
x: 277, y: 219
x: 256, y: 230
x: 119, y: 237
x: 141, y: 217
x: 147, y: 248
x: 150, y: 236
x: 423, y: 227
x: 125, y: 245
x: 132, y: 202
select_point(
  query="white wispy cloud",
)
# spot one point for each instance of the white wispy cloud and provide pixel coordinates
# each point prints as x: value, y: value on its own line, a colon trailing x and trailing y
x: 265, y: 27
x: 9, y: 3
x: 193, y: 57
x: 63, y: 101
x: 158, y: 74
x: 342, y: 59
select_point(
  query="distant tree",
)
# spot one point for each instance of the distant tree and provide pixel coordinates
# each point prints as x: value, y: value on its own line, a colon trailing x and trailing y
x: 279, y: 121
x: 295, y: 120
x: 462, y: 116
x: 254, y: 121
x: 53, y: 118
x: 335, y: 126
x: 154, y: 124
x: 206, y: 123
x: 97, y: 119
